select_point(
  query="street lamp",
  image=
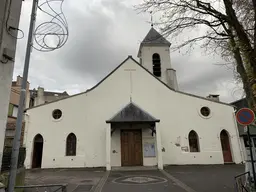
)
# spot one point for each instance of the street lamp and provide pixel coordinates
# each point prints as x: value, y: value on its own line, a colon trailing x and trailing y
x: 59, y: 20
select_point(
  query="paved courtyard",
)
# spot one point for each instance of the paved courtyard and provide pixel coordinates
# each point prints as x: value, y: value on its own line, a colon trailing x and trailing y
x: 140, y: 181
x: 85, y: 179
x: 210, y: 178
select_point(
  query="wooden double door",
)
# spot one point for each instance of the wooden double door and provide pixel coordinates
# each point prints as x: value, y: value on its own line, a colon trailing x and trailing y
x: 131, y: 148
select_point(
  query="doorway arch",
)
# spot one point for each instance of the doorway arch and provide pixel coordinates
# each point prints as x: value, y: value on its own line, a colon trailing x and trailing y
x: 225, y: 145
x: 37, y: 151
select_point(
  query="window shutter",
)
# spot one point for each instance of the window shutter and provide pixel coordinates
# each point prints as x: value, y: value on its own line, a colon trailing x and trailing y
x: 10, y: 109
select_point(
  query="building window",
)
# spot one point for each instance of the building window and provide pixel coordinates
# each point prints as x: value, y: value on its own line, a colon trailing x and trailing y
x: 13, y: 110
x: 10, y: 109
x: 156, y: 64
x: 193, y: 141
x: 71, y: 145
x: 246, y: 141
x: 10, y: 133
x: 32, y: 102
x: 205, y: 111
x: 8, y: 142
x: 254, y: 141
x: 56, y: 114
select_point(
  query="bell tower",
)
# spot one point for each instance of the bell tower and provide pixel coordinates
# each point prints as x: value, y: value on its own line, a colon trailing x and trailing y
x: 154, y: 54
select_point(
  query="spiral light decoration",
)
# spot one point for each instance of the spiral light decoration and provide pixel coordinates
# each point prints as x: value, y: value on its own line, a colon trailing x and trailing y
x: 54, y: 30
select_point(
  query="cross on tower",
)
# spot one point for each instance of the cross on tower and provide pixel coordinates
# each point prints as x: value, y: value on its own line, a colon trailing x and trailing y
x: 151, y: 18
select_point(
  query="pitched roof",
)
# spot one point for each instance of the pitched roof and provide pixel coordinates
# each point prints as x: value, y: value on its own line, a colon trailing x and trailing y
x: 132, y: 113
x: 130, y: 57
x: 240, y: 103
x: 153, y: 37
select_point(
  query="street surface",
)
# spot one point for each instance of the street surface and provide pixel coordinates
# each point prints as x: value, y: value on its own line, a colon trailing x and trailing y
x: 192, y: 178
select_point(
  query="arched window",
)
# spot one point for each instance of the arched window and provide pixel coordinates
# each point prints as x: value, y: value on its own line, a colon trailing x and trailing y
x: 193, y: 141
x: 71, y: 145
x: 156, y: 64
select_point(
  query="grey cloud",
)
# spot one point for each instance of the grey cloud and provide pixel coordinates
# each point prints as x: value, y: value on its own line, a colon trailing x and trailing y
x: 96, y: 48
x: 102, y: 34
x: 199, y: 74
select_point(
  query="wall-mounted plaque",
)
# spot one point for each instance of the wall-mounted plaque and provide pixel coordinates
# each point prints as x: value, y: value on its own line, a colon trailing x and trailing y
x: 149, y: 150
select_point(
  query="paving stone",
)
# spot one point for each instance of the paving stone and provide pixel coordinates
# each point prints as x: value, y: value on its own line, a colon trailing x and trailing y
x: 72, y: 177
x: 207, y: 178
x: 83, y: 188
x: 139, y: 181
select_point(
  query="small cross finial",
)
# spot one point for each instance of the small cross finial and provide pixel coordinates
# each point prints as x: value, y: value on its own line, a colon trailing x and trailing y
x: 130, y: 98
x: 151, y: 17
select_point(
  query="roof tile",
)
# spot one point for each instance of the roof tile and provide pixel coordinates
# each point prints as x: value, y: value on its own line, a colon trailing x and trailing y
x: 153, y: 37
x: 132, y: 113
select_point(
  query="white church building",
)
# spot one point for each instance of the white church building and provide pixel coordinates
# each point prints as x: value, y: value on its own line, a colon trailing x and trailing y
x: 135, y: 116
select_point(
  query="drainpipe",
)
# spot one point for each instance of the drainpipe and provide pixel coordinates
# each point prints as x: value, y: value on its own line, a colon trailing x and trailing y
x: 3, y: 24
x: 26, y: 129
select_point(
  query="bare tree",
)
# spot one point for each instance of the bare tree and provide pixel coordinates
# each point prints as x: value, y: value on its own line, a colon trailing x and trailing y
x: 230, y: 31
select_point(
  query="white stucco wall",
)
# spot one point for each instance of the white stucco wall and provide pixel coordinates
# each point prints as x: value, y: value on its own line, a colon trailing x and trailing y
x: 6, y: 70
x: 168, y: 76
x: 147, y: 138
x: 85, y: 116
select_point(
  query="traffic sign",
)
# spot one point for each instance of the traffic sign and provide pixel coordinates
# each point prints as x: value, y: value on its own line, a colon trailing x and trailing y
x: 245, y: 116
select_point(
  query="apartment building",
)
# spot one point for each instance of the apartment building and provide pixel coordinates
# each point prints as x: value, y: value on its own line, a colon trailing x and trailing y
x: 39, y: 96
x: 13, y: 110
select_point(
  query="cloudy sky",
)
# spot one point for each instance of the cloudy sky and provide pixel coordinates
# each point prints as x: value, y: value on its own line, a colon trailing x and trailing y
x: 102, y: 34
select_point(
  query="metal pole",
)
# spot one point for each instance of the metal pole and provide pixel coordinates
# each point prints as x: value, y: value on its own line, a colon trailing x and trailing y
x: 16, y: 141
x: 251, y: 154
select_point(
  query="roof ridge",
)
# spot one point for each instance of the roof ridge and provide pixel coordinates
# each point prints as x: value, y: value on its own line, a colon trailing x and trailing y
x: 130, y: 57
x: 90, y: 89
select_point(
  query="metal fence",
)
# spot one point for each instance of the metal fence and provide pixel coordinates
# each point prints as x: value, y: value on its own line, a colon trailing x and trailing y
x: 42, y: 188
x: 243, y: 182
x: 6, y: 161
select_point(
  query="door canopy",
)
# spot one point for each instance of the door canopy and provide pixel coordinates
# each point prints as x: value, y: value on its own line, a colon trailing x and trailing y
x: 131, y: 113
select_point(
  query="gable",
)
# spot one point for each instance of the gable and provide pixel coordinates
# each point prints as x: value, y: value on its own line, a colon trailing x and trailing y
x: 145, y: 70
x: 88, y: 90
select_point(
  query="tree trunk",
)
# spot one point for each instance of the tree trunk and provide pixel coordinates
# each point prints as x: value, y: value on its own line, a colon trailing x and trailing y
x: 248, y: 79
x: 252, y: 83
x: 246, y: 65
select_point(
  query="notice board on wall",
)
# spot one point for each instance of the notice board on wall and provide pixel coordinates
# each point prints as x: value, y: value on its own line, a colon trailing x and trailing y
x: 149, y: 150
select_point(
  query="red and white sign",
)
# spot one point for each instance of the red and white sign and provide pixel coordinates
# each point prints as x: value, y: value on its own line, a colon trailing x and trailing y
x: 245, y: 116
